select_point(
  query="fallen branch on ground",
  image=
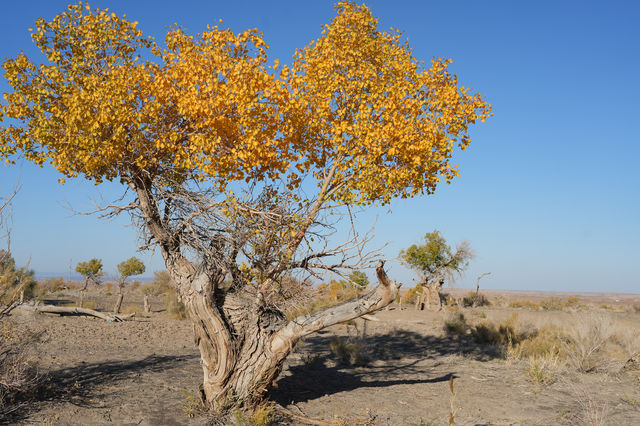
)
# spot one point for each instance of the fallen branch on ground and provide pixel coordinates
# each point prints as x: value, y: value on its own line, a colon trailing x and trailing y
x: 50, y: 309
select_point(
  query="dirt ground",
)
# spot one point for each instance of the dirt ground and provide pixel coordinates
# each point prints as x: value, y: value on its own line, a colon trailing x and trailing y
x: 147, y: 372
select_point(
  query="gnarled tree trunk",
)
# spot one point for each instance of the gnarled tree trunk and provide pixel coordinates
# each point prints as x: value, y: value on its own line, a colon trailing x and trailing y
x: 243, y: 342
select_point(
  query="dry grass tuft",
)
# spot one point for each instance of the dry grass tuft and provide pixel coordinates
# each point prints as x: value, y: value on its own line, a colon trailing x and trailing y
x: 592, y: 410
x: 541, y: 370
x: 18, y: 373
x: 586, y: 343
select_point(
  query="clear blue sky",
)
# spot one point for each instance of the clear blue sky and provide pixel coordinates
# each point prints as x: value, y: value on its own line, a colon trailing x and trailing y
x: 549, y: 193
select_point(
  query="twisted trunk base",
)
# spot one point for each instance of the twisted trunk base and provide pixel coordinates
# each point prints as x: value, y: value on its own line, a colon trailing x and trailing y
x: 243, y: 343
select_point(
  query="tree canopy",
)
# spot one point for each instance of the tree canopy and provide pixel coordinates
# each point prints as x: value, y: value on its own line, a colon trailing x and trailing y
x: 90, y: 269
x: 109, y: 102
x: 130, y: 268
x: 436, y: 257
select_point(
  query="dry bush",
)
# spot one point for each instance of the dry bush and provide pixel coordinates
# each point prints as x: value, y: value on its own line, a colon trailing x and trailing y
x: 135, y: 285
x: 475, y: 299
x: 586, y: 343
x: 527, y: 304
x: 53, y: 285
x: 261, y: 415
x: 297, y: 298
x: 14, y: 280
x: 542, y: 369
x: 592, y: 410
x: 160, y: 285
x: 455, y: 324
x: 349, y: 351
x: 548, y: 340
x: 339, y: 291
x: 412, y: 294
x: 507, y: 332
x: 312, y: 306
x: 173, y: 305
x: 18, y: 373
x: 552, y: 304
x: 311, y: 361
x: 628, y: 344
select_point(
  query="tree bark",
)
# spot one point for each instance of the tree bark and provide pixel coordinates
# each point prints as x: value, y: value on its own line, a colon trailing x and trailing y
x: 116, y: 308
x: 432, y: 290
x: 243, y: 342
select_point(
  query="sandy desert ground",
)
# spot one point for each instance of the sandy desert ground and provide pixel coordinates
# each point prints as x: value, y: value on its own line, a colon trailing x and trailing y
x: 146, y: 371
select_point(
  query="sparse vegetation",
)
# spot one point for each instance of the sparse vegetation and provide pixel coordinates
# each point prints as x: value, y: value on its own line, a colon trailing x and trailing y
x: 18, y: 373
x: 541, y: 369
x: 349, y: 351
x: 588, y: 337
x: 455, y: 324
x: 14, y: 280
x: 174, y: 307
x: 475, y: 299
x: 311, y: 360
x: 501, y: 334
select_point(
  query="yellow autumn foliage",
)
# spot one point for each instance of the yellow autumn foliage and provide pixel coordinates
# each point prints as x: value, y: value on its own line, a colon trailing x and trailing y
x: 108, y: 103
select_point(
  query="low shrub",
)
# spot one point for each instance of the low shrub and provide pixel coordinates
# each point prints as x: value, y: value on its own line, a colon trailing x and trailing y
x: 541, y: 370
x: 349, y: 352
x: 412, y: 294
x: 505, y: 333
x: 14, y: 280
x: 51, y: 285
x: 586, y: 343
x: 475, y: 299
x: 527, y: 304
x: 548, y: 340
x: 455, y: 324
x: 261, y: 415
x: 173, y: 305
x: 311, y: 360
x: 18, y: 373
x: 160, y: 285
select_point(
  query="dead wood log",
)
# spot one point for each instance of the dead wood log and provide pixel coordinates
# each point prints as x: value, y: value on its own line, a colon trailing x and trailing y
x: 50, y: 309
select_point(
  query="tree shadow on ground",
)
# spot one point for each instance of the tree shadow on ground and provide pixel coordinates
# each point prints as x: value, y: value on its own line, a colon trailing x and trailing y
x: 395, y: 358
x: 86, y: 385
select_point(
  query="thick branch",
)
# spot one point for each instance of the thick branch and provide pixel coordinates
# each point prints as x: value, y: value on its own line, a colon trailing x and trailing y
x: 384, y: 294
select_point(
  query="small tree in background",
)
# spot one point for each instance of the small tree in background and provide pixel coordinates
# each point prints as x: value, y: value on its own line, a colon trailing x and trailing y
x: 435, y: 261
x: 128, y: 268
x: 359, y: 279
x: 91, y: 271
